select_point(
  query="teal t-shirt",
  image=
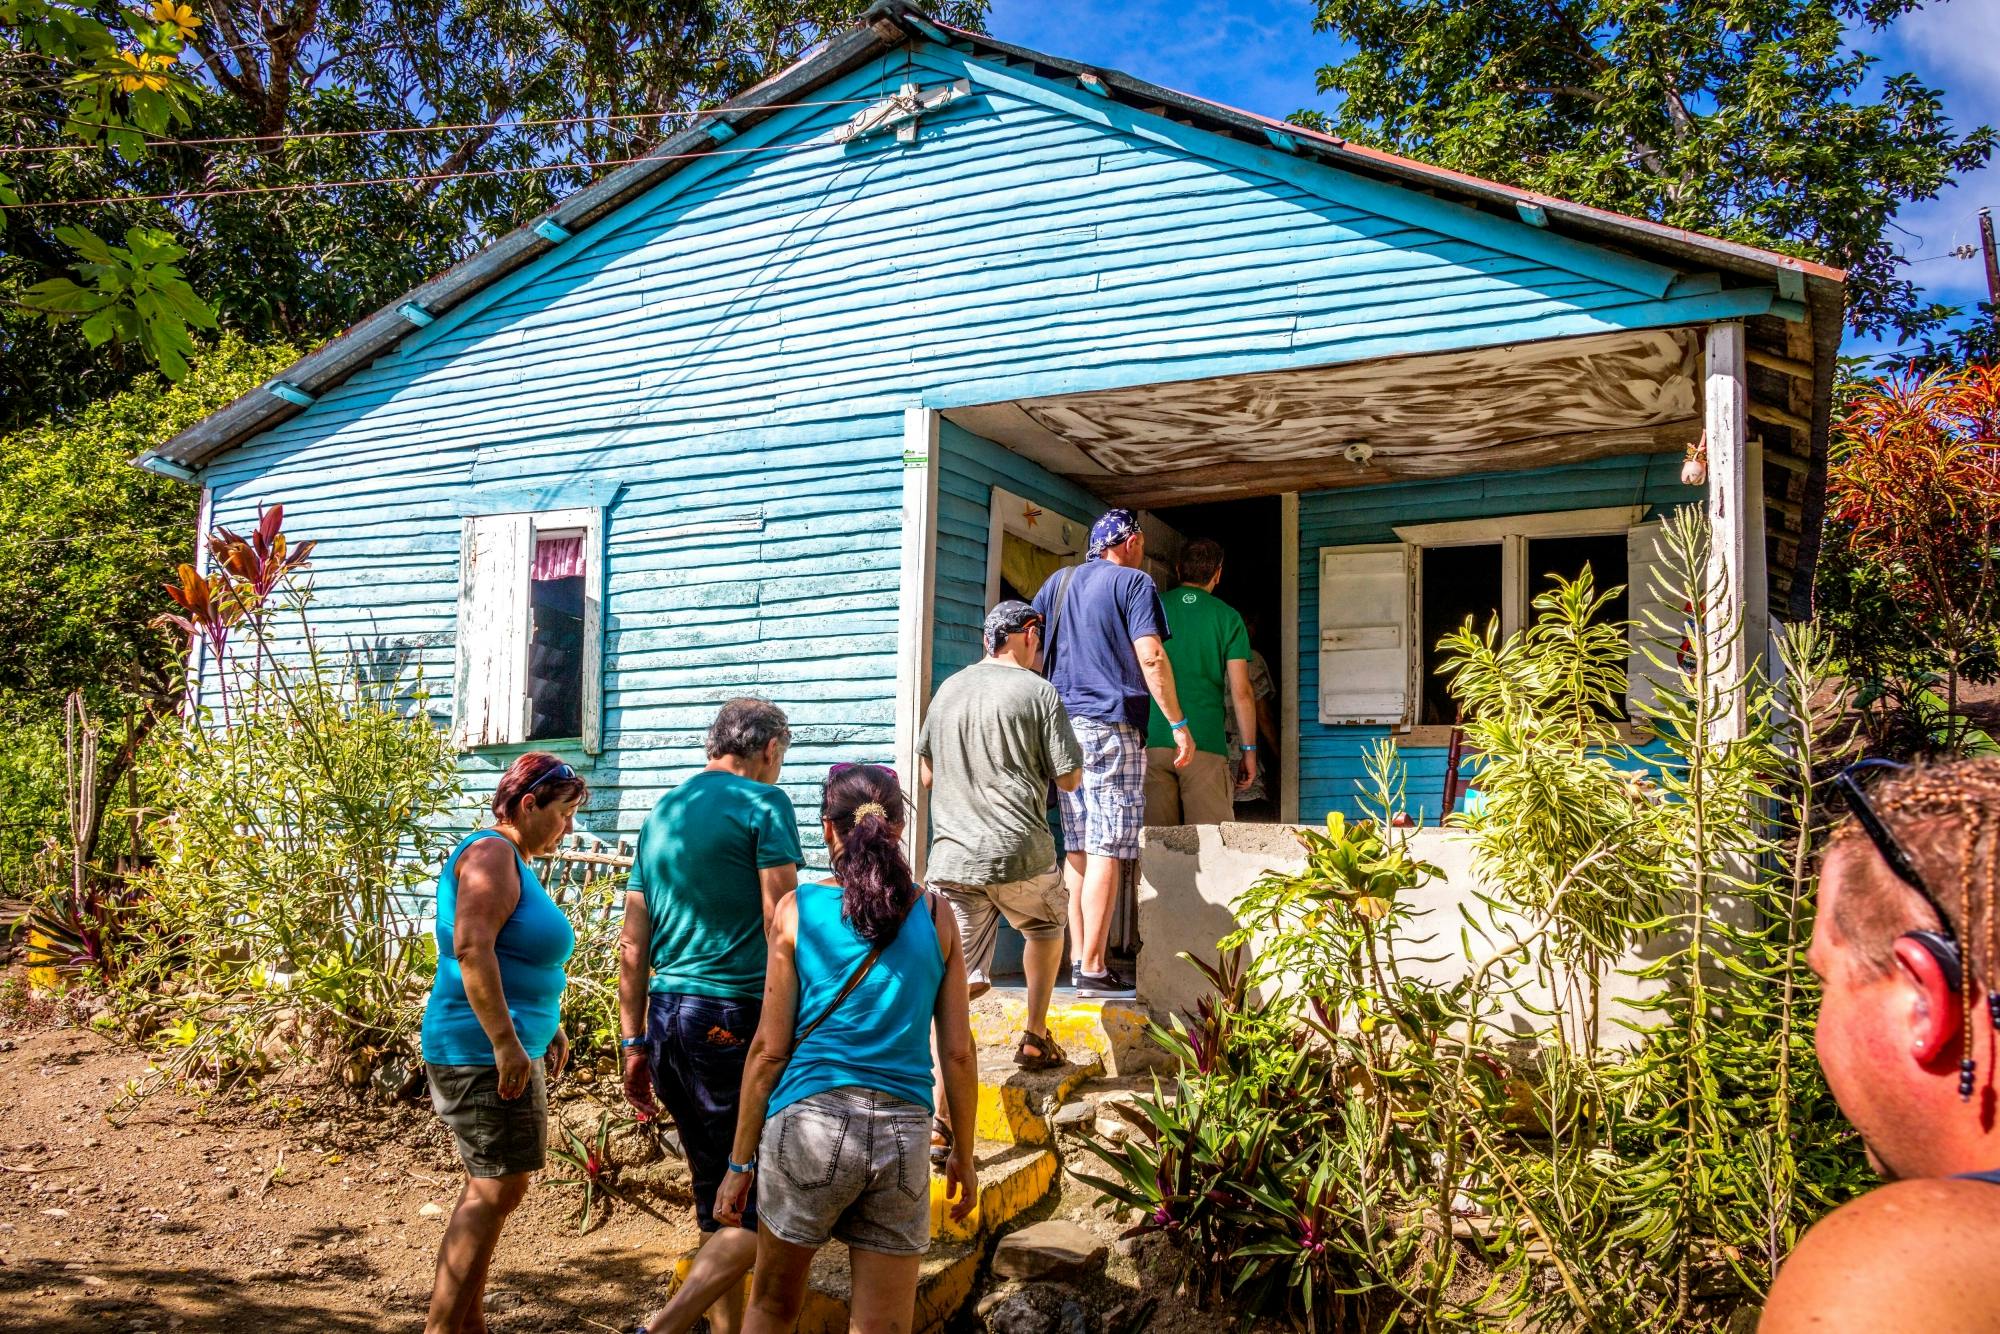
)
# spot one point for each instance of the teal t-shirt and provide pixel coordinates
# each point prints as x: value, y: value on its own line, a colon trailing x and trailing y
x: 880, y: 1036
x: 533, y: 945
x: 1208, y: 634
x: 699, y: 855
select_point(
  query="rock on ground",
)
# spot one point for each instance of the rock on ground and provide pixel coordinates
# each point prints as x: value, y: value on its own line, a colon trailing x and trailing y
x: 1053, y: 1249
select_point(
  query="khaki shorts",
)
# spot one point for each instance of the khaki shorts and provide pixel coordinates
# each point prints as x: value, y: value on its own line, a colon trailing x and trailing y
x: 1037, y: 907
x: 1202, y: 793
x: 495, y: 1136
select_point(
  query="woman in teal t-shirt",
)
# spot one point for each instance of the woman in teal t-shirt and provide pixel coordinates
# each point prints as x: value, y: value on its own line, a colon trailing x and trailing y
x: 492, y: 1031
x: 836, y: 1103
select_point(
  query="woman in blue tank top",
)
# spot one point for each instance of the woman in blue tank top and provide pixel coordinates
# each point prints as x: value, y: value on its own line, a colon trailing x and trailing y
x: 492, y: 1031
x: 836, y: 1108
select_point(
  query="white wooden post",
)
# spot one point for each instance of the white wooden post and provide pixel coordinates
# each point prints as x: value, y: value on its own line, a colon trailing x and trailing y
x: 1756, y: 571
x: 1729, y: 519
x: 1288, y: 657
x: 916, y: 594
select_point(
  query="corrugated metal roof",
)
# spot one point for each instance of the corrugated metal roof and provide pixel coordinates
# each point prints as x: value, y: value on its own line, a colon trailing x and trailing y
x: 887, y: 25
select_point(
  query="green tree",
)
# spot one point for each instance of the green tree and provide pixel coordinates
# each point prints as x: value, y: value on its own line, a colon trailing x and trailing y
x: 86, y: 542
x: 300, y: 91
x: 1752, y: 120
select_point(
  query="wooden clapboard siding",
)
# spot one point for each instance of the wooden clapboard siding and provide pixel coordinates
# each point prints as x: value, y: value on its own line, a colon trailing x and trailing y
x: 971, y: 467
x: 1331, y: 769
x: 724, y: 363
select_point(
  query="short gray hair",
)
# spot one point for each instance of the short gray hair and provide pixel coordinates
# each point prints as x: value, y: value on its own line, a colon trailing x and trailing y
x: 745, y: 727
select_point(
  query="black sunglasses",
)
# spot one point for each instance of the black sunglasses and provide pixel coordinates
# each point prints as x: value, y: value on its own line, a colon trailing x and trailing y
x: 1941, y: 944
x: 558, y: 770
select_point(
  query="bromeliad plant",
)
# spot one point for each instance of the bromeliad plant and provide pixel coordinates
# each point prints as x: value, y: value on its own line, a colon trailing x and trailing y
x: 595, y: 1174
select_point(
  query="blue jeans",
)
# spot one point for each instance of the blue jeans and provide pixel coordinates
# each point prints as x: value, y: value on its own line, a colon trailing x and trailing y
x: 698, y: 1046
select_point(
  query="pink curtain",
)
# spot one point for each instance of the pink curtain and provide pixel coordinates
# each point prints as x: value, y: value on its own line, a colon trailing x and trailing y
x: 558, y: 557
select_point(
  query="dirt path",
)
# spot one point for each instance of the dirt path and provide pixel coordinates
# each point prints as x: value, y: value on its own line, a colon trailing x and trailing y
x: 235, y: 1219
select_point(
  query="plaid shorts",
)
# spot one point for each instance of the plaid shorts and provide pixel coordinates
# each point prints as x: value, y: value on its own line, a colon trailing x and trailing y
x: 1106, y: 814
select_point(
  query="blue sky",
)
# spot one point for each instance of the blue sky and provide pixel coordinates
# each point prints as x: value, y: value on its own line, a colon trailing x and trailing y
x: 1262, y: 55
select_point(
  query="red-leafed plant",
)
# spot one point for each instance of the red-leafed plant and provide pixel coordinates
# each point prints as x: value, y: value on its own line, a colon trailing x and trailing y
x: 248, y: 571
x: 1916, y: 483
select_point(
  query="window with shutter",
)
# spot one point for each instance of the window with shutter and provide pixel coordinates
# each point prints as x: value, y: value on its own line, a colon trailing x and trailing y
x: 1656, y: 620
x: 1365, y: 664
x: 530, y: 629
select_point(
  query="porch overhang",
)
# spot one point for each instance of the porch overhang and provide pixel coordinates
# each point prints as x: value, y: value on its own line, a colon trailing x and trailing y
x: 1419, y: 418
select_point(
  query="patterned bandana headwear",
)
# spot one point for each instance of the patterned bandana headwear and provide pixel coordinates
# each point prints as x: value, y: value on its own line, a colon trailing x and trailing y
x: 1113, y: 527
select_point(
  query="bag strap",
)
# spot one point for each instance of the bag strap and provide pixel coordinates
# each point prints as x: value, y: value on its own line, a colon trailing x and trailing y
x: 854, y: 979
x: 1055, y: 619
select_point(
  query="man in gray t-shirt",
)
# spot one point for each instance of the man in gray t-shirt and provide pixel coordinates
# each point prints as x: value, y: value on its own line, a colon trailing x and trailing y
x: 995, y: 738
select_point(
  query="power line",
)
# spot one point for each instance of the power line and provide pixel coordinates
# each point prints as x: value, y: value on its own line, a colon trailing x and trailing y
x: 288, y: 137
x: 419, y: 178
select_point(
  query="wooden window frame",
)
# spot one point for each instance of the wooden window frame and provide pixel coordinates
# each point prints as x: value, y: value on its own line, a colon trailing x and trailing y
x: 1007, y: 513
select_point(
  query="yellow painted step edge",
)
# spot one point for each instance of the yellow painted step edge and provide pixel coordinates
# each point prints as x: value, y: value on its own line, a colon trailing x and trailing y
x: 1010, y: 1114
x: 1014, y: 1186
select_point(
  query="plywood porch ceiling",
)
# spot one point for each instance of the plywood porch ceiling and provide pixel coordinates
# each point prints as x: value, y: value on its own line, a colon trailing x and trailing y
x: 1494, y: 409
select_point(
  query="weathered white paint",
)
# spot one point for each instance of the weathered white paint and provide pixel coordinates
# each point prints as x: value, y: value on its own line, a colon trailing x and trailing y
x: 1409, y: 418
x: 916, y: 590
x: 1288, y: 651
x: 1364, y: 634
x: 1655, y: 614
x: 1729, y: 515
x: 492, y: 687
x: 1560, y: 523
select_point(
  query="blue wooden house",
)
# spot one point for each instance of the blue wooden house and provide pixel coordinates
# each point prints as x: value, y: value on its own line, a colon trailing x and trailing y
x: 779, y: 409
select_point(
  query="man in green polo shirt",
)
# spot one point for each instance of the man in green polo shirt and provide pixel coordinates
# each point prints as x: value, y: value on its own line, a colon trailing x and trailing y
x: 1210, y: 653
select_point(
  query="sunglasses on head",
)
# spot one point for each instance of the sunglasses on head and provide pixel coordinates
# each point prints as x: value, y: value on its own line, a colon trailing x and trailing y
x: 558, y: 770
x: 841, y: 768
x: 1941, y: 944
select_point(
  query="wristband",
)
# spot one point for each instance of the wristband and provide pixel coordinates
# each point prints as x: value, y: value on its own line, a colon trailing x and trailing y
x: 629, y: 1043
x: 750, y: 1166
x: 1246, y: 749
x: 1178, y: 726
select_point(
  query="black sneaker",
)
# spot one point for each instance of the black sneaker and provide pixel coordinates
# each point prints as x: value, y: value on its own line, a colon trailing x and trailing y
x: 1107, y: 985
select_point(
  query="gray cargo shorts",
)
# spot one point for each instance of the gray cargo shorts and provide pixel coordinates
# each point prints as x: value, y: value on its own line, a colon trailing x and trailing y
x: 1037, y: 907
x: 849, y: 1164
x: 495, y: 1136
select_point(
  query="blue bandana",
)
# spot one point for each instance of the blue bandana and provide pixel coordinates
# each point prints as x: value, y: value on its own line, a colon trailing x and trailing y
x: 1111, y: 528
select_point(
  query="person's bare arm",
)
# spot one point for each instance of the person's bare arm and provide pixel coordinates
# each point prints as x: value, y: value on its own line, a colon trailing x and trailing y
x: 1911, y: 1256
x: 952, y: 1019
x: 776, y: 883
x: 924, y: 769
x: 1267, y: 724
x: 1242, y: 702
x: 489, y: 889
x: 1159, y: 674
x: 635, y: 975
x: 1070, y: 781
x: 770, y: 1052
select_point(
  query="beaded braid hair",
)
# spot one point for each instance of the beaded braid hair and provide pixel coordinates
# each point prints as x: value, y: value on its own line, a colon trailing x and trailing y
x: 1946, y: 818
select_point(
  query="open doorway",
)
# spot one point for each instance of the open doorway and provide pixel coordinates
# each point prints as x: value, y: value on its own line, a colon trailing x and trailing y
x: 1251, y: 534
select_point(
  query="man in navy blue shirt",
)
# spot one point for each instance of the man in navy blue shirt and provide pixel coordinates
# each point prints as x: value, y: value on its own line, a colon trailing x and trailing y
x: 1105, y: 654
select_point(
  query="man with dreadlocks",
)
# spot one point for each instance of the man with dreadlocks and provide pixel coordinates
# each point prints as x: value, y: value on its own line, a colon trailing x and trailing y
x: 1907, y: 945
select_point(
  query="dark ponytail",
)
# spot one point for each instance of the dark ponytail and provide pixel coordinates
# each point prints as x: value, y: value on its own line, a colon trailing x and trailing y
x: 864, y: 803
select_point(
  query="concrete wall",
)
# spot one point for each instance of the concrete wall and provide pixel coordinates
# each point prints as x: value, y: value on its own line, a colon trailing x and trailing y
x: 1189, y: 875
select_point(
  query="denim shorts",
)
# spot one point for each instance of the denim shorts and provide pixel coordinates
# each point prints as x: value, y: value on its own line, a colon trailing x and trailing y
x: 852, y: 1165
x: 698, y: 1046
x: 496, y: 1137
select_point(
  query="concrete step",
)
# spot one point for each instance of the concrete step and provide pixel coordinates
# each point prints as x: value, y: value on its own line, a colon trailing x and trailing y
x: 1113, y: 1030
x: 944, y: 1285
x: 1013, y: 1178
x: 1014, y: 1104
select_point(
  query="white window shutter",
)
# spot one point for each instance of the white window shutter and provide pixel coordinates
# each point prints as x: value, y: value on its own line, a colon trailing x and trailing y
x: 1655, y: 617
x: 491, y: 697
x: 1365, y: 663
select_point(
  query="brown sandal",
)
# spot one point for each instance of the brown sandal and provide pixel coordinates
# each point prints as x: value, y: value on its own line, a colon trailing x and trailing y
x: 1048, y: 1054
x: 942, y: 1142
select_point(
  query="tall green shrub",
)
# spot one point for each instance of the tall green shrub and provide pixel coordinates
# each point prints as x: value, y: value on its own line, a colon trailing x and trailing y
x: 309, y: 803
